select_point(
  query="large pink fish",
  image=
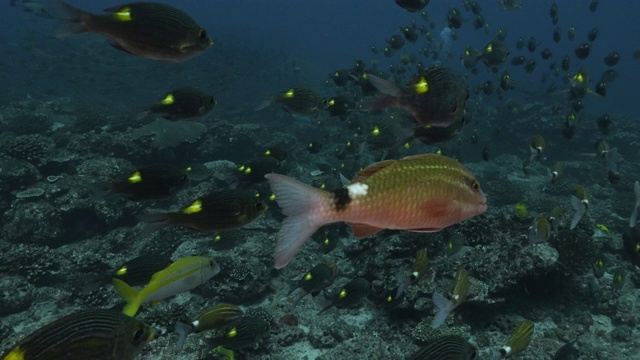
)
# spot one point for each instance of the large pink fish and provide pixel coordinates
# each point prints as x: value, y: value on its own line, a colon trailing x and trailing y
x: 421, y: 193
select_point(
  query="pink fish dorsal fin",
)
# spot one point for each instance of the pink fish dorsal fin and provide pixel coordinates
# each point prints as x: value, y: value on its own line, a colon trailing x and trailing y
x: 364, y: 230
x: 372, y: 169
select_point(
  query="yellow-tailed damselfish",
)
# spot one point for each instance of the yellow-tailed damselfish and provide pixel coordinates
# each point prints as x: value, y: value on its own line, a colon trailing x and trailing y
x: 221, y: 210
x: 181, y: 104
x: 151, y: 30
x: 152, y: 182
x: 212, y: 318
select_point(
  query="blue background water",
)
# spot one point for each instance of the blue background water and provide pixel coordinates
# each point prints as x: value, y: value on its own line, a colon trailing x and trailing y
x: 321, y: 35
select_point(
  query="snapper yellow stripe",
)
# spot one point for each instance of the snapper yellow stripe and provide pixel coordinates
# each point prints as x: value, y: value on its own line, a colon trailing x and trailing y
x: 15, y: 354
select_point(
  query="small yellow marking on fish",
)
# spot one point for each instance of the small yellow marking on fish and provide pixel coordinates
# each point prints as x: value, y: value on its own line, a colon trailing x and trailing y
x: 289, y: 94
x: 406, y: 145
x: 364, y: 75
x: 189, y: 168
x: 124, y: 14
x: 489, y: 48
x: 15, y: 354
x: 323, y: 185
x: 232, y: 333
x: 193, y: 208
x: 308, y: 276
x: 122, y: 271
x: 389, y: 298
x: 332, y: 102
x: 422, y: 86
x: 326, y: 242
x: 467, y: 53
x: 603, y: 228
x: 217, y: 238
x: 268, y: 152
x: 247, y: 170
x: 343, y: 294
x: 272, y: 197
x: 241, y: 168
x: 136, y: 177
x: 376, y: 131
x: 168, y: 100
x: 578, y: 77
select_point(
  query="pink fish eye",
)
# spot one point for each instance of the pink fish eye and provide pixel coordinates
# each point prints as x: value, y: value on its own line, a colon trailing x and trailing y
x: 475, y: 185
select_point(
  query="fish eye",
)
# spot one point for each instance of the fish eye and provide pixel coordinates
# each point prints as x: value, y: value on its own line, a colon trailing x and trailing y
x: 202, y: 34
x: 258, y: 206
x: 475, y: 185
x: 473, y: 356
x: 139, y: 336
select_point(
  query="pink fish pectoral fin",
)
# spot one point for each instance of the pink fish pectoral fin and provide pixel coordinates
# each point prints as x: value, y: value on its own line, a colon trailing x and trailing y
x: 363, y: 230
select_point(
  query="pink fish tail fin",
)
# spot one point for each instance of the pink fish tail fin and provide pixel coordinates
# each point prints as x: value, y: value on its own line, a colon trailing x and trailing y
x: 298, y: 202
x: 72, y: 19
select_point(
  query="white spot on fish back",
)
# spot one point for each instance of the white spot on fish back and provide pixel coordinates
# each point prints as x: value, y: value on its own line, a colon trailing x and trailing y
x: 357, y: 189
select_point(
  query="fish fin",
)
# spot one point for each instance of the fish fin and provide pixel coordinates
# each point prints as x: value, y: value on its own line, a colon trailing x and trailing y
x: 298, y: 202
x: 580, y: 210
x: 417, y: 157
x: 384, y: 86
x: 363, y: 230
x: 183, y: 331
x: 130, y: 295
x: 72, y: 19
x: 370, y: 170
x: 425, y: 230
x: 444, y: 308
x: 117, y: 46
x: 141, y: 115
x: 154, y: 222
x: 263, y: 105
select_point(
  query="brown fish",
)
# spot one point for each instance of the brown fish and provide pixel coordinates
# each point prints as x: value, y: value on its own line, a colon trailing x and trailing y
x: 152, y: 30
x: 435, y: 97
x: 422, y: 193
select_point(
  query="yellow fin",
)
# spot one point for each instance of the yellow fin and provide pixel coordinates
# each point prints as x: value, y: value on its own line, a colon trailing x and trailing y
x: 130, y: 295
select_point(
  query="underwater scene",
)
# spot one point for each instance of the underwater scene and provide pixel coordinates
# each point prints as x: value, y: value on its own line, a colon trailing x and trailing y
x: 320, y: 179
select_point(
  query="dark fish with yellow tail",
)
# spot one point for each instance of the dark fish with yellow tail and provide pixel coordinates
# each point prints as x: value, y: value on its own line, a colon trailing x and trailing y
x: 448, y: 347
x: 494, y: 55
x: 297, y: 101
x: 221, y: 210
x: 418, y: 272
x: 518, y: 342
x: 210, y: 319
x: 181, y: 104
x: 580, y: 201
x: 435, y: 97
x: 151, y: 30
x: 138, y: 271
x: 98, y: 334
x: 351, y: 294
x: 421, y: 193
x: 241, y: 333
x: 152, y: 182
x: 313, y: 282
x: 458, y: 296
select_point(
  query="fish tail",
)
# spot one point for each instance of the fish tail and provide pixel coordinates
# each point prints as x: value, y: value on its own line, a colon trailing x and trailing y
x: 444, y: 308
x: 183, y: 330
x: 130, y: 295
x: 580, y: 210
x: 72, y: 19
x: 298, y: 202
x: 155, y: 222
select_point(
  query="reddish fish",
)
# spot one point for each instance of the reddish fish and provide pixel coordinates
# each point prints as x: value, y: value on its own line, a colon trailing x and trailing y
x: 422, y: 193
